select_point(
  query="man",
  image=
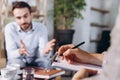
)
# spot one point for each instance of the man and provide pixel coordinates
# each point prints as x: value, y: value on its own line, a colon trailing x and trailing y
x: 109, y: 60
x: 26, y: 40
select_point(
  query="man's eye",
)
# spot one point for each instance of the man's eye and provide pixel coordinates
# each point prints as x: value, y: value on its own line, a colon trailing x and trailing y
x: 25, y: 16
x: 18, y: 17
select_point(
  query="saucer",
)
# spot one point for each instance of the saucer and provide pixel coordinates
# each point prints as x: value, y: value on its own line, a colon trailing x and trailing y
x: 16, y: 77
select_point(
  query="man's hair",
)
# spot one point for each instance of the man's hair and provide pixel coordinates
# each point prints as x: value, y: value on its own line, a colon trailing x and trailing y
x: 21, y: 4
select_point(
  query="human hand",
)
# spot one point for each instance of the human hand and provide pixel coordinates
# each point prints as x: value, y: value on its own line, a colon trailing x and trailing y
x: 83, y: 73
x: 22, y: 49
x: 72, y: 55
x: 49, y: 46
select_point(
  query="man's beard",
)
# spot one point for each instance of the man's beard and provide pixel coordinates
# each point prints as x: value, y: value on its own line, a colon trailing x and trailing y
x: 25, y: 26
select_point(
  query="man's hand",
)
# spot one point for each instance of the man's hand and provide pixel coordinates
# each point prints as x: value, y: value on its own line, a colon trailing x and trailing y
x: 49, y: 46
x: 22, y: 49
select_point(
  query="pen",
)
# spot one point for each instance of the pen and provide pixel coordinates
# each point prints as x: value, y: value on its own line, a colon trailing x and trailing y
x: 56, y: 54
x: 76, y: 46
x: 53, y: 58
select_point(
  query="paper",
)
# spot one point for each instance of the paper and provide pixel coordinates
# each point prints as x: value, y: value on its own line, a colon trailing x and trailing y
x: 75, y: 67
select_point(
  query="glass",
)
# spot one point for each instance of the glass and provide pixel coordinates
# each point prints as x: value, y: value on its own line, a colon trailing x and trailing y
x: 28, y: 73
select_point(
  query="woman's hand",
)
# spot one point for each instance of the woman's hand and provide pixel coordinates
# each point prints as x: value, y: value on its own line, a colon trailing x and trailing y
x: 84, y: 73
x: 72, y: 55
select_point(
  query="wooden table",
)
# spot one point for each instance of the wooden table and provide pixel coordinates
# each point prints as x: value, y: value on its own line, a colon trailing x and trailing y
x: 55, y: 78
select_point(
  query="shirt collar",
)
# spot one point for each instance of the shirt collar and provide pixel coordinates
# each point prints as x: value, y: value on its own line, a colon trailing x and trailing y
x: 19, y: 29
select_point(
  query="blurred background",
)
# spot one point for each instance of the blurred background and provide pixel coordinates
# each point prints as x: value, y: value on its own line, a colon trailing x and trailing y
x: 99, y: 17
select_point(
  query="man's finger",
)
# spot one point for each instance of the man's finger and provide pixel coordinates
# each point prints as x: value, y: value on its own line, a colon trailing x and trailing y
x: 53, y: 41
x: 26, y: 53
x: 22, y: 44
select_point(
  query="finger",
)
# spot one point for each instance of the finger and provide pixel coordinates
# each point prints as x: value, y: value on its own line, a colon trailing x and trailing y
x: 26, y: 52
x: 22, y: 44
x: 52, y: 42
x: 70, y: 62
x: 51, y: 45
x: 68, y: 53
x: 48, y: 50
x: 69, y: 59
x: 64, y: 48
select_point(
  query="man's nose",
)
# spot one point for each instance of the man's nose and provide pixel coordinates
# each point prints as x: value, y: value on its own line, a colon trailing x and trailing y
x: 23, y: 20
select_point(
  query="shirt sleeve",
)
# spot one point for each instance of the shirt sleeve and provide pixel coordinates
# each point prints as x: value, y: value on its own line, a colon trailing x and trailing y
x: 11, y: 46
x: 43, y: 40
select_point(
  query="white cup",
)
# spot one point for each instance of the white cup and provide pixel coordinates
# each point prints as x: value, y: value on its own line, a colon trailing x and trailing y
x: 17, y: 66
x: 8, y: 73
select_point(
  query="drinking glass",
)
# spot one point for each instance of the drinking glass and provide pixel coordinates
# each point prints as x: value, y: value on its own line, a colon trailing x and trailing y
x: 28, y: 73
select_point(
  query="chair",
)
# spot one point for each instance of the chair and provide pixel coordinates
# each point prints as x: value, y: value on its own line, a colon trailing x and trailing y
x: 104, y: 42
x: 3, y: 58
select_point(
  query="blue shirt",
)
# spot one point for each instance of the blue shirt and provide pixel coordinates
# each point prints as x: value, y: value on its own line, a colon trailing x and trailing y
x: 35, y: 39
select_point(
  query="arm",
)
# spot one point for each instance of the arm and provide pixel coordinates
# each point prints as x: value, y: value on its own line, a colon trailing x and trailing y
x: 78, y: 55
x: 10, y: 42
x: 94, y: 58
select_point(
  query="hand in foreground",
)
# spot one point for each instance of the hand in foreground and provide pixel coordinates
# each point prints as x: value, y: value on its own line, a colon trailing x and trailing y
x: 49, y: 46
x: 84, y: 73
x: 22, y: 49
x: 72, y: 55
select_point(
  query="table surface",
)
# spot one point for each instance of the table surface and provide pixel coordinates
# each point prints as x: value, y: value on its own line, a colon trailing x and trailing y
x: 19, y: 76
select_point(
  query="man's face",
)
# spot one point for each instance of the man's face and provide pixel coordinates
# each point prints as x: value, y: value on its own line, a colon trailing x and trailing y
x: 23, y: 17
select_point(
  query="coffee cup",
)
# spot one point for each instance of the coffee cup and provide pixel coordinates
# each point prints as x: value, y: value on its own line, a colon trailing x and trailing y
x: 17, y: 66
x: 8, y: 73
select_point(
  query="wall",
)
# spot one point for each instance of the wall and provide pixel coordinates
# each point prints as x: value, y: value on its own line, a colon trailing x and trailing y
x: 84, y: 28
x: 84, y: 32
x: 114, y: 11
